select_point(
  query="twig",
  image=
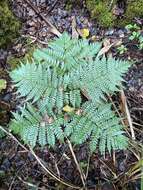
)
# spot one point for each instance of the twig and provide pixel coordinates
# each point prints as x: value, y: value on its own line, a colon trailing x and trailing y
x: 28, y: 184
x: 87, y: 169
x: 75, y: 34
x: 53, y: 28
x: 76, y: 162
x: 52, y: 6
x: 110, y: 169
x: 110, y: 98
x: 39, y: 161
x: 110, y: 5
x: 14, y: 138
x: 56, y: 165
x: 10, y: 187
x: 124, y: 101
x: 49, y: 172
x: 116, y: 109
x: 35, y: 39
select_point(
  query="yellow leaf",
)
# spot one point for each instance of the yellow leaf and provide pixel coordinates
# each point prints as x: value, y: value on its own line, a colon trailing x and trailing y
x: 67, y: 108
x: 93, y: 38
x: 85, y: 32
x: 3, y: 84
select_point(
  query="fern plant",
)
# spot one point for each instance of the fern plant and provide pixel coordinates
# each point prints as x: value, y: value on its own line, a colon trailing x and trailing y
x: 65, y: 90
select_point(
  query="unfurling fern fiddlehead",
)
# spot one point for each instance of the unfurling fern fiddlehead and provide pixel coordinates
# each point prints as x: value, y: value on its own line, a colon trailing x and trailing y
x: 54, y: 86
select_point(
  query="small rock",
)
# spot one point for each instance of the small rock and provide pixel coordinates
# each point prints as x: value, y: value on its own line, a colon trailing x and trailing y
x: 31, y: 23
x: 121, y: 33
x: 31, y: 12
x: 109, y: 32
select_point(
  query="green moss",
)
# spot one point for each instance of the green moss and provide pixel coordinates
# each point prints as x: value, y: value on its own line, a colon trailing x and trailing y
x: 14, y: 61
x: 69, y: 4
x: 9, y: 25
x: 134, y: 9
x: 101, y: 11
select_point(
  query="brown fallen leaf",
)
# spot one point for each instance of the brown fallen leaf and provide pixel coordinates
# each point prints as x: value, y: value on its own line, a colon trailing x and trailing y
x: 104, y: 50
x: 75, y: 34
x: 106, y: 42
x: 79, y: 112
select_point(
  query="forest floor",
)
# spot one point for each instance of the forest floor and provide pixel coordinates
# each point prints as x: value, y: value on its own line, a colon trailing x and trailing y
x: 19, y: 170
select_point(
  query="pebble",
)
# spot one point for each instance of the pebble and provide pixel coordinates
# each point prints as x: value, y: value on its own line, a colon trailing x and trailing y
x: 109, y: 32
x: 121, y: 33
x: 31, y: 12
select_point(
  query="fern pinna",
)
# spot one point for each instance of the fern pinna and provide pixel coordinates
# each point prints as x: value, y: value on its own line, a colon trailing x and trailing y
x: 65, y: 90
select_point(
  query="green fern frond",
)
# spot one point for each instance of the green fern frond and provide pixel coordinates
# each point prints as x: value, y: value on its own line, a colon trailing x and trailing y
x: 2, y: 134
x: 30, y: 80
x: 100, y: 77
x: 69, y: 73
x: 98, y: 124
x: 66, y: 53
x: 34, y: 127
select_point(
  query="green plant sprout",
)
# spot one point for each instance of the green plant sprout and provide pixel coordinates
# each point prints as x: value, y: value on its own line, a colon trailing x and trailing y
x: 136, y: 34
x: 122, y: 49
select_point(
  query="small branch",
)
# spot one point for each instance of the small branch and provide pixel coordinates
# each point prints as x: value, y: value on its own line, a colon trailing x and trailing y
x: 110, y: 98
x: 28, y: 184
x: 14, y: 138
x: 76, y: 162
x: 49, y: 172
x: 52, y: 6
x: 35, y: 39
x: 124, y: 101
x: 10, y: 187
x: 110, y: 5
x: 56, y: 165
x: 53, y: 28
x: 39, y: 161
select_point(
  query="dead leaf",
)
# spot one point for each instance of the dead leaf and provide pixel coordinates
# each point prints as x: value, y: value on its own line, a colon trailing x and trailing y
x: 75, y: 34
x: 106, y: 42
x: 107, y: 45
x: 117, y: 42
x: 48, y: 119
x: 79, y: 112
x: 105, y: 50
x: 93, y: 38
x: 3, y: 84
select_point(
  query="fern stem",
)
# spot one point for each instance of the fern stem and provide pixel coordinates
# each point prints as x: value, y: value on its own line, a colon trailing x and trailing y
x: 76, y: 162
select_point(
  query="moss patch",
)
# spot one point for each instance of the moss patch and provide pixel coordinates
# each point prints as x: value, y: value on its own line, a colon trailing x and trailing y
x: 9, y: 25
x: 14, y: 61
x: 102, y: 11
x: 134, y: 9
